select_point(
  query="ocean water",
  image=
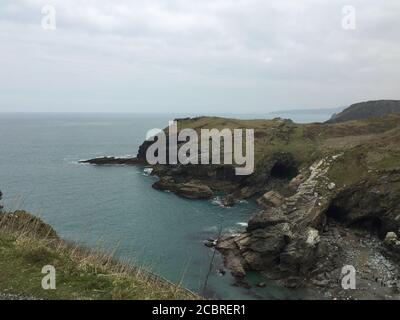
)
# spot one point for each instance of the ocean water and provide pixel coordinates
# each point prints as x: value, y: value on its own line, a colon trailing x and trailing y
x: 115, y: 208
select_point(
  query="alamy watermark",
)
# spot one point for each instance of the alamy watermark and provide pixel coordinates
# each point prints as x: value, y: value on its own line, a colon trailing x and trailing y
x: 349, y: 20
x: 185, y: 147
x: 349, y: 277
x: 49, y: 280
x: 49, y: 17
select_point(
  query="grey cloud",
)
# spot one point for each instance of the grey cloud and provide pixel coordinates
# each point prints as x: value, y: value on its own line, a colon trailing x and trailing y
x: 181, y: 55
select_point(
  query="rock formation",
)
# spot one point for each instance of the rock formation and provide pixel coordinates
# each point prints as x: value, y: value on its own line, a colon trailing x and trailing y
x: 329, y: 196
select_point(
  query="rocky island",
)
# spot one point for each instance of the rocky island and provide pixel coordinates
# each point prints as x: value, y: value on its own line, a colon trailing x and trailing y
x: 328, y: 195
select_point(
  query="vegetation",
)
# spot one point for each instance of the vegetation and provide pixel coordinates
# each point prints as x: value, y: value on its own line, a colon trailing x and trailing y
x: 367, y: 146
x: 27, y: 244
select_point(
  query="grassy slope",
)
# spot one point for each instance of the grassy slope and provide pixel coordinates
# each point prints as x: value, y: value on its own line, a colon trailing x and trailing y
x: 80, y: 273
x: 367, y: 146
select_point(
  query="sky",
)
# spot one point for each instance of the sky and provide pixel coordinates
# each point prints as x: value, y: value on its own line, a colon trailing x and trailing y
x: 182, y: 56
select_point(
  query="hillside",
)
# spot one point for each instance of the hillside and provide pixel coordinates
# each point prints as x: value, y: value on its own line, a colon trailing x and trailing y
x: 27, y: 244
x: 366, y: 110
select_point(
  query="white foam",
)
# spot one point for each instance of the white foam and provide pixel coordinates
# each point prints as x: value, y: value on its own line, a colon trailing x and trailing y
x: 242, y: 224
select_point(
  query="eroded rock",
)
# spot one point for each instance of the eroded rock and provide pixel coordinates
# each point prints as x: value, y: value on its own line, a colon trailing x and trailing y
x: 270, y: 199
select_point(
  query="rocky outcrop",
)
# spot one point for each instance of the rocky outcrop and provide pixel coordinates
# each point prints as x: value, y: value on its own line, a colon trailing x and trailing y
x: 284, y: 238
x: 191, y: 190
x: 328, y: 194
x: 194, y: 190
x: 1, y: 196
x: 365, y: 110
x: 112, y: 161
x: 270, y: 199
x: 297, y: 241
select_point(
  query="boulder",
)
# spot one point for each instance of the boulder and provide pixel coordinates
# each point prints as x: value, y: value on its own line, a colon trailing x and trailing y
x: 391, y: 237
x: 270, y: 199
x: 392, y: 245
x: 194, y: 190
x: 228, y: 201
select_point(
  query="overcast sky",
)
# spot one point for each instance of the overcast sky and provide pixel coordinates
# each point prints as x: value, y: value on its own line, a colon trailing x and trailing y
x: 236, y: 56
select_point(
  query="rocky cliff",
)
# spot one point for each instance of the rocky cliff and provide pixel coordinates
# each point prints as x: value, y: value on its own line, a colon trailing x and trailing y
x: 329, y: 196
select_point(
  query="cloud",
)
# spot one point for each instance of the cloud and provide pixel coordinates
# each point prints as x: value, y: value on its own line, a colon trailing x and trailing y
x: 182, y: 55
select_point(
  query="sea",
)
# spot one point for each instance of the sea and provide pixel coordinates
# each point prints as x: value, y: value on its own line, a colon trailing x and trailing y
x: 114, y: 208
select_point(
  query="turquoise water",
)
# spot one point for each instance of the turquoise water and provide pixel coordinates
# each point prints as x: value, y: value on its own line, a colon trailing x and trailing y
x: 115, y: 208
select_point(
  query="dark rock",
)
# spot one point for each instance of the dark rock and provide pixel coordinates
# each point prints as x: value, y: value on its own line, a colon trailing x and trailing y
x: 165, y: 183
x: 210, y: 243
x: 372, y: 204
x: 190, y: 190
x: 242, y: 284
x: 293, y: 282
x: 228, y: 201
x: 222, y: 272
x: 265, y: 219
x: 112, y: 161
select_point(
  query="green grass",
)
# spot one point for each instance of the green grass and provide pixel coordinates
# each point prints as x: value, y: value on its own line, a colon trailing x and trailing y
x: 80, y: 273
x: 368, y: 145
x: 348, y: 169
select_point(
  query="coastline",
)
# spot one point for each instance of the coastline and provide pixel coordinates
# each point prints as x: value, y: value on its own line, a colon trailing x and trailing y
x: 299, y: 223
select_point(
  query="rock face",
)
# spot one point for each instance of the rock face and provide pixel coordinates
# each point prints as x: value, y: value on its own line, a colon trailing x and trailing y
x: 284, y: 238
x: 366, y: 110
x: 371, y: 204
x: 296, y: 239
x: 270, y: 199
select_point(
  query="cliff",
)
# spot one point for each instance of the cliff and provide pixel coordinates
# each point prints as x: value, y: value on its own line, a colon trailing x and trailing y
x: 27, y: 244
x: 366, y: 110
x: 329, y: 196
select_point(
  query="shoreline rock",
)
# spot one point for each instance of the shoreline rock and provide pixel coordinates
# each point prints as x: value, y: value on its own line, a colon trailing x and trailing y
x: 305, y: 240
x: 190, y: 190
x: 102, y: 161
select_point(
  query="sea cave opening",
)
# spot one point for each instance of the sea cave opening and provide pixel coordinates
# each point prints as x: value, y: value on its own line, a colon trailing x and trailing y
x: 284, y: 171
x: 336, y: 213
x: 371, y: 224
